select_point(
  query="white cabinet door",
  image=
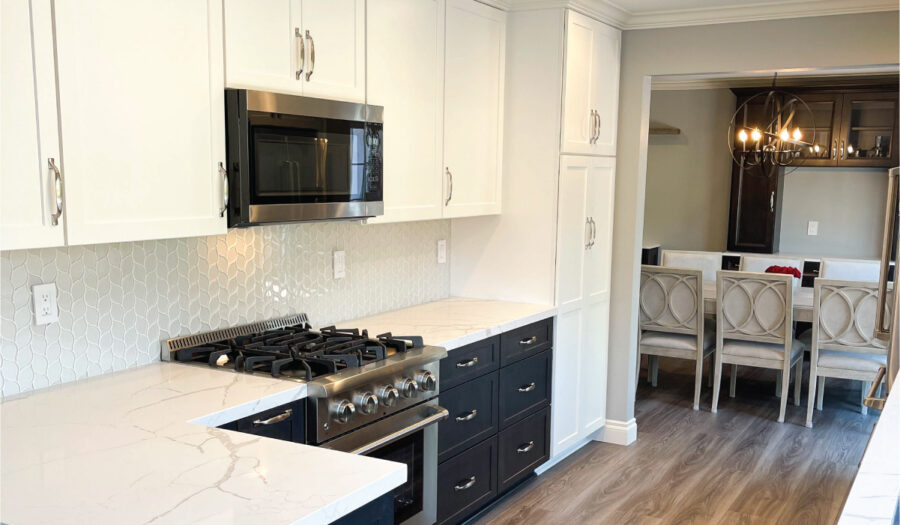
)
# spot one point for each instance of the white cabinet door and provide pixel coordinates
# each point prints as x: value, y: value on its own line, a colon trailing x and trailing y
x: 262, y: 46
x: 143, y: 133
x: 335, y: 34
x: 411, y: 91
x: 28, y: 127
x: 590, y: 97
x: 473, y: 108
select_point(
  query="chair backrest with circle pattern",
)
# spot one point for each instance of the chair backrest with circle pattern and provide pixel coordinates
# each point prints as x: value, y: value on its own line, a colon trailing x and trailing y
x: 754, y: 306
x: 671, y: 300
x: 844, y: 316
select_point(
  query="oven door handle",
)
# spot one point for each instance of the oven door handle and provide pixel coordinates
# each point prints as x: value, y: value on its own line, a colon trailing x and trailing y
x: 410, y: 421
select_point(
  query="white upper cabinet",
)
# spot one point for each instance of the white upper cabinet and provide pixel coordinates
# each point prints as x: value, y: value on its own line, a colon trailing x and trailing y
x: 591, y: 92
x: 142, y: 120
x: 411, y: 91
x: 473, y: 108
x: 310, y: 47
x: 29, y: 140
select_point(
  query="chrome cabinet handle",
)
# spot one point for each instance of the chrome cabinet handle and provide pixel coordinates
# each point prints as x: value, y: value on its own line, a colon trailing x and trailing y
x: 465, y: 486
x: 587, y: 225
x: 467, y: 364
x: 593, y: 232
x: 301, y: 53
x: 842, y: 150
x: 224, y: 175
x: 468, y: 417
x: 772, y: 201
x: 593, y: 127
x: 450, y: 196
x: 57, y: 192
x: 312, y: 55
x: 834, y: 149
x: 527, y: 388
x: 525, y: 448
x: 274, y: 419
x: 597, y: 138
x: 531, y: 340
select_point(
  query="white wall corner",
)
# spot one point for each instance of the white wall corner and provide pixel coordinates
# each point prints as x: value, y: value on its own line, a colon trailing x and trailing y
x: 619, y: 432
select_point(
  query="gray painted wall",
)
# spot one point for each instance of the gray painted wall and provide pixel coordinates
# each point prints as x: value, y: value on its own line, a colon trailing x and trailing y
x: 689, y: 175
x: 827, y: 42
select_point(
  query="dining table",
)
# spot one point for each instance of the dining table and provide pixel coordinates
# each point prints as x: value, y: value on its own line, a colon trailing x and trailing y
x: 803, y: 301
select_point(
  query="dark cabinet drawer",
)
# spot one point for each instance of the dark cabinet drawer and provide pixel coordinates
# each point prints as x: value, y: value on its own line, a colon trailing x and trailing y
x: 284, y: 422
x: 524, y: 387
x: 526, y: 341
x: 522, y: 447
x: 467, y: 482
x: 469, y: 362
x: 473, y: 415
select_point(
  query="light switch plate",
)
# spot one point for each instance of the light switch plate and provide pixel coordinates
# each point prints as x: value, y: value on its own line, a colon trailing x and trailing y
x: 442, y: 251
x: 812, y: 228
x: 340, y: 267
x: 46, y: 310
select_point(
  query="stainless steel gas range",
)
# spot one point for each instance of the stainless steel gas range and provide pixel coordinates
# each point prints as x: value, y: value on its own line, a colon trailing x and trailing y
x: 375, y: 396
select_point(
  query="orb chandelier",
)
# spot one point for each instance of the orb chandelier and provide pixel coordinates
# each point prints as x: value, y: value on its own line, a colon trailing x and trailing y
x: 769, y: 128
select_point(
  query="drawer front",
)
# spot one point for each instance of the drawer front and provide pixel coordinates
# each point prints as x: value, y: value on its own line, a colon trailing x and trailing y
x: 473, y: 415
x: 469, y: 362
x: 467, y: 482
x: 522, y: 447
x: 284, y: 422
x: 526, y: 341
x: 524, y: 387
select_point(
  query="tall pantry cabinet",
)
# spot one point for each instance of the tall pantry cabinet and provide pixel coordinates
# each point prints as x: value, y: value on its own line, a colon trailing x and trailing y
x: 553, y: 242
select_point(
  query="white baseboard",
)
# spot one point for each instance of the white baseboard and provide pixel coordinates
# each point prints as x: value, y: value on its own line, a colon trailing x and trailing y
x: 619, y: 432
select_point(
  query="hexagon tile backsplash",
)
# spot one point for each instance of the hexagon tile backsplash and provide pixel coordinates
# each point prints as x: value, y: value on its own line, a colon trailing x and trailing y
x: 118, y: 301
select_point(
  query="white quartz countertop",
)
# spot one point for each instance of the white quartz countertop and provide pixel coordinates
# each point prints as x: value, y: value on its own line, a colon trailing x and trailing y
x: 454, y: 322
x: 873, y: 498
x: 140, y: 446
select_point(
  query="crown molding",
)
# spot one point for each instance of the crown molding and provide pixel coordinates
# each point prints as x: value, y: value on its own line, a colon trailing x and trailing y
x: 614, y: 14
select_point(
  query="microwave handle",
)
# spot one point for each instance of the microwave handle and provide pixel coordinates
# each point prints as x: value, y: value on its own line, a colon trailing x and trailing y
x: 890, y: 215
x: 224, y: 173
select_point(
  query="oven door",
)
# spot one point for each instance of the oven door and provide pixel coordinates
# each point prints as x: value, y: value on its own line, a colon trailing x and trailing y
x: 408, y: 437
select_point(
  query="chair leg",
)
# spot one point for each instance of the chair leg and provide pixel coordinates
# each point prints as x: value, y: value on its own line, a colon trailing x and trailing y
x: 655, y: 371
x: 778, y: 385
x: 698, y: 382
x: 863, y: 409
x: 820, y: 393
x: 712, y: 371
x: 732, y: 388
x: 798, y: 381
x: 717, y: 382
x: 812, y: 397
x: 785, y: 382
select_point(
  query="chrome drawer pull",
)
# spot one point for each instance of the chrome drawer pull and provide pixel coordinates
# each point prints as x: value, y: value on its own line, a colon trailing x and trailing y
x: 468, y: 417
x: 467, y: 364
x: 525, y: 448
x: 274, y: 419
x: 465, y: 486
x: 530, y: 341
x: 527, y: 388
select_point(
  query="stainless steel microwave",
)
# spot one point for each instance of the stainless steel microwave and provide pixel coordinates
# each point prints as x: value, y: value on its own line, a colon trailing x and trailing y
x: 297, y: 159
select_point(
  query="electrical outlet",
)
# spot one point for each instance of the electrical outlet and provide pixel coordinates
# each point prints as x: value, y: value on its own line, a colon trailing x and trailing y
x: 812, y: 228
x: 340, y: 265
x: 442, y: 251
x: 46, y: 310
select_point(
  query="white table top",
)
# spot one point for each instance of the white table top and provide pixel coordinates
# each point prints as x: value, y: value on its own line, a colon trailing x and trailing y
x: 803, y: 301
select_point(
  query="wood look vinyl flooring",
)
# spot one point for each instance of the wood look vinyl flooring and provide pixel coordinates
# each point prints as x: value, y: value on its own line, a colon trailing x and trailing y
x: 739, y: 466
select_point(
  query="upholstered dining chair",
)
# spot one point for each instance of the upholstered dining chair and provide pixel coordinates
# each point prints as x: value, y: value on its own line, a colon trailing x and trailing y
x: 759, y: 263
x: 843, y: 337
x: 850, y: 269
x: 671, y: 320
x: 707, y: 262
x: 754, y: 318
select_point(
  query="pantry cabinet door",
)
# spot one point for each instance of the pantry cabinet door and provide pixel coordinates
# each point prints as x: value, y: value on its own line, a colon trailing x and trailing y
x: 335, y: 43
x: 411, y: 92
x: 606, y: 93
x: 263, y: 40
x: 143, y: 134
x: 473, y: 108
x: 29, y: 132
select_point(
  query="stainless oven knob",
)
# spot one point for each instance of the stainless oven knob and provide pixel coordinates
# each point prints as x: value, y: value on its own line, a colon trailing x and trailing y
x: 389, y: 396
x: 344, y: 411
x: 368, y: 403
x: 408, y: 387
x: 427, y: 381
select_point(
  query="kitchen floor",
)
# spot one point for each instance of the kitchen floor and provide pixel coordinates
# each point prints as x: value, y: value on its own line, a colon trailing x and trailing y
x: 737, y: 466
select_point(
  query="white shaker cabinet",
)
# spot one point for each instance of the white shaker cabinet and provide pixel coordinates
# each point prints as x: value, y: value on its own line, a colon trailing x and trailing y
x: 142, y: 132
x: 29, y: 140
x: 590, y: 94
x: 411, y: 90
x: 302, y: 47
x: 473, y: 108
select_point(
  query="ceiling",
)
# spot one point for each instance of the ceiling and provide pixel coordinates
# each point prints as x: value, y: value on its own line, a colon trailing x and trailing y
x: 644, y: 14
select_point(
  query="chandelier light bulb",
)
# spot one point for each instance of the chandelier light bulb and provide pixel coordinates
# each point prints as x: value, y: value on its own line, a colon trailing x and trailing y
x: 755, y: 135
x: 797, y: 134
x: 849, y: 149
x: 784, y: 134
x: 742, y: 135
x: 815, y: 148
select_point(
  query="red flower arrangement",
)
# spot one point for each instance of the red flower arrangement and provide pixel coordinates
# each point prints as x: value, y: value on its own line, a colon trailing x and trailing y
x: 788, y: 270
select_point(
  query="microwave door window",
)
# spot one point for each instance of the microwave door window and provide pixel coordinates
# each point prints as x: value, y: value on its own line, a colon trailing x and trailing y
x: 286, y: 166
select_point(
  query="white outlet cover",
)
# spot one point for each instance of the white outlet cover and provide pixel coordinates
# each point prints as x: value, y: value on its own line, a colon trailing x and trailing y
x: 340, y: 265
x: 46, y: 310
x: 812, y: 228
x: 442, y: 251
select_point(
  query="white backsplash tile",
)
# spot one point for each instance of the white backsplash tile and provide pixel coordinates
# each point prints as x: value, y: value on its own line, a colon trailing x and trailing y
x: 118, y: 301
